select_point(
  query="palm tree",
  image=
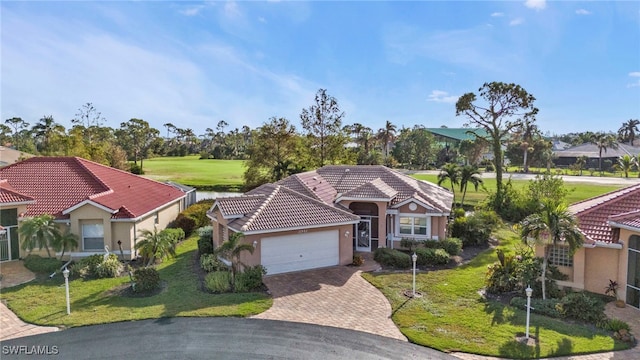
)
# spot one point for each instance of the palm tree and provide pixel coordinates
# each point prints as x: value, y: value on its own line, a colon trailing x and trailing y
x: 387, y: 134
x: 67, y: 240
x: 603, y: 142
x: 626, y: 162
x: 629, y: 130
x: 552, y: 225
x: 39, y: 231
x: 450, y: 172
x: 232, y: 249
x: 469, y: 174
x: 45, y: 130
x: 527, y: 132
x: 155, y: 245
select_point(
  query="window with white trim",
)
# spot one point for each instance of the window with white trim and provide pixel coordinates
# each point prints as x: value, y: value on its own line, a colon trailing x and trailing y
x: 413, y: 225
x: 92, y: 237
x: 560, y: 256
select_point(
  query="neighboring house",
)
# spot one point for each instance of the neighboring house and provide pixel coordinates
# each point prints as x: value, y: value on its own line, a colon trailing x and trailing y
x: 100, y: 204
x: 319, y: 218
x: 190, y: 193
x: 9, y: 156
x: 569, y: 156
x: 611, y: 226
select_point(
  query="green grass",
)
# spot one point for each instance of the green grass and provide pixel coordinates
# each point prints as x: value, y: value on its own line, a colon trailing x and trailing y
x: 577, y: 191
x: 42, y: 301
x: 210, y: 174
x: 452, y: 316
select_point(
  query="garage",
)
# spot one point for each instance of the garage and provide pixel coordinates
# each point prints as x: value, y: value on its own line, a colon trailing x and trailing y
x: 281, y: 254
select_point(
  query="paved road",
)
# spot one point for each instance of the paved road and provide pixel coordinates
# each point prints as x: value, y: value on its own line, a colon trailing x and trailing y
x: 214, y: 338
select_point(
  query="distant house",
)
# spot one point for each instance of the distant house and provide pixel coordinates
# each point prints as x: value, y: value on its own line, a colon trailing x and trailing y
x: 569, y: 156
x: 611, y: 226
x: 9, y: 156
x: 319, y: 218
x: 102, y: 205
x: 453, y: 136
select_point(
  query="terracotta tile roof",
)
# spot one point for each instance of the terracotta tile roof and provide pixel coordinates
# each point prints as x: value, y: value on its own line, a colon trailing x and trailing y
x: 630, y: 219
x: 59, y: 183
x: 594, y: 214
x: 375, y: 189
x: 9, y: 195
x: 273, y: 207
x: 346, y: 178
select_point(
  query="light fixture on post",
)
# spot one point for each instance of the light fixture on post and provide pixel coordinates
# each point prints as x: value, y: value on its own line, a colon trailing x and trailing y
x: 65, y: 273
x: 255, y: 243
x: 414, y: 258
x: 529, y: 292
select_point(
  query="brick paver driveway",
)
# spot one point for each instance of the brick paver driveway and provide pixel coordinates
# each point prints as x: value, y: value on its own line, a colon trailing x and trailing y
x: 336, y: 296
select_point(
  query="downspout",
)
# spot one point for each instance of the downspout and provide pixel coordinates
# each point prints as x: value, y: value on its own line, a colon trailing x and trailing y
x: 135, y: 237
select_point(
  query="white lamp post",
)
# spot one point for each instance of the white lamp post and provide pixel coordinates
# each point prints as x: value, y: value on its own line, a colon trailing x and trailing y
x: 529, y: 292
x: 414, y: 257
x: 65, y: 272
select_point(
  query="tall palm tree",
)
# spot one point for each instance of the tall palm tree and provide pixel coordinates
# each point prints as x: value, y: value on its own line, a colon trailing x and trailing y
x: 45, y: 130
x: 232, y: 249
x: 386, y: 135
x: 450, y: 172
x: 39, y: 231
x: 603, y: 142
x: 629, y: 130
x: 552, y: 225
x: 527, y: 133
x: 155, y: 245
x: 626, y: 162
x: 469, y: 174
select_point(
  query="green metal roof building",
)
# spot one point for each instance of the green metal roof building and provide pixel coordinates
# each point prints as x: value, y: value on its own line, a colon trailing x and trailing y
x: 454, y: 136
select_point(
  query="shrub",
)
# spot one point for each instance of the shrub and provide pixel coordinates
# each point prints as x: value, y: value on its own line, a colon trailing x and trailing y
x: 109, y: 268
x: 489, y: 167
x: 459, y: 212
x: 218, y: 281
x: 86, y: 267
x: 502, y: 276
x: 146, y: 279
x: 198, y: 212
x: 548, y: 307
x: 205, y: 242
x: 409, y: 244
x: 358, y: 260
x: 136, y: 169
x: 614, y: 325
x: 476, y: 228
x: 176, y: 235
x: 250, y: 279
x: 183, y: 222
x: 452, y: 245
x: 38, y: 264
x: 431, y: 257
x: 210, y: 263
x: 393, y: 258
x: 581, y: 306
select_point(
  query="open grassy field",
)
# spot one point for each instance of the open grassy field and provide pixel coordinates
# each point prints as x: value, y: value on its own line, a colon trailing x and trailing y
x: 209, y: 174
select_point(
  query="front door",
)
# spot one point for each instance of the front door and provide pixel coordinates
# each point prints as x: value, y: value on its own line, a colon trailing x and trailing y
x: 363, y: 236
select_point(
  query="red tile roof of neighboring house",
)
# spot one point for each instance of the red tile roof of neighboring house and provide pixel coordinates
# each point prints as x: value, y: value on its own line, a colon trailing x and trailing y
x: 630, y: 219
x: 594, y: 214
x: 9, y: 195
x: 272, y: 207
x: 60, y: 183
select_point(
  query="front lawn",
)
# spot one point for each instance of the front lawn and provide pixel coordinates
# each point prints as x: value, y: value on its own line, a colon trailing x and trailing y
x: 453, y: 316
x: 42, y: 301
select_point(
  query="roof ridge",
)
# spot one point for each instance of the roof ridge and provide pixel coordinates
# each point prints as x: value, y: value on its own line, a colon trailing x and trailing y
x: 260, y: 208
x: 78, y: 160
x: 416, y: 188
x: 320, y: 202
x: 624, y: 192
x: 624, y: 215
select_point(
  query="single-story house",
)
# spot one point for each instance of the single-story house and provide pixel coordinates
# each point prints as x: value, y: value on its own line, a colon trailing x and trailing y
x: 570, y: 155
x: 100, y: 204
x: 9, y: 155
x: 610, y: 224
x: 319, y: 218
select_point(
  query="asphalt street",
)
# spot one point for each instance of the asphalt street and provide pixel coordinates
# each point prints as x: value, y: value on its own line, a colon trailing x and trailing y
x: 212, y: 338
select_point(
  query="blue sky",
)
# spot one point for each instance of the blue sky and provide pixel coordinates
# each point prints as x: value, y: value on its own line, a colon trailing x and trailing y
x: 195, y: 63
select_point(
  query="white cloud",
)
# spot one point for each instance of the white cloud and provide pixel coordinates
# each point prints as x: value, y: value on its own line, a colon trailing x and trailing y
x: 516, y: 22
x: 536, y: 4
x: 262, y: 19
x: 497, y: 14
x: 634, y: 74
x: 583, y: 12
x: 232, y: 10
x: 442, y: 97
x: 191, y: 10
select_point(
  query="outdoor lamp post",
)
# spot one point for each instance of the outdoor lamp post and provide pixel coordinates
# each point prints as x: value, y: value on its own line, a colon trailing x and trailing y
x: 414, y: 258
x: 529, y: 292
x: 65, y: 272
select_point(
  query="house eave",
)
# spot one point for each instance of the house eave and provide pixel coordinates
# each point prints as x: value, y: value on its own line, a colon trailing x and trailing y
x: 318, y: 226
x: 17, y: 203
x: 136, y: 219
x: 88, y: 202
x: 623, y: 226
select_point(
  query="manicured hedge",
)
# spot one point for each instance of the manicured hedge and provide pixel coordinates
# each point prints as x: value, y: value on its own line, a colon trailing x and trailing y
x: 393, y: 258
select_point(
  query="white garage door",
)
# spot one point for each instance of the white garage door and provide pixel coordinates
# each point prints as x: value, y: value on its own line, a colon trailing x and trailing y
x: 280, y: 254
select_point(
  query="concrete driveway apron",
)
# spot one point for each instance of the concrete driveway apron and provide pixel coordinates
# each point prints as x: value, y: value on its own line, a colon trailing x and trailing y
x: 337, y: 296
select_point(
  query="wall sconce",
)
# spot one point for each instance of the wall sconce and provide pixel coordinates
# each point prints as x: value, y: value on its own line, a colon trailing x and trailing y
x: 255, y: 243
x: 346, y: 233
